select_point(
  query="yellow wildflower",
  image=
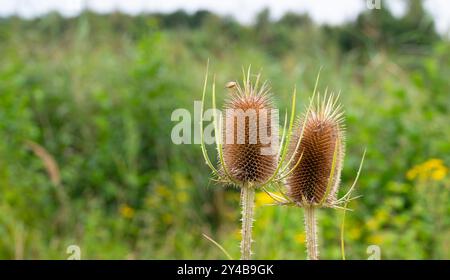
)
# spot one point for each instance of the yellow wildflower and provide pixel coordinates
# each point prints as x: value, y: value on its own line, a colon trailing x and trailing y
x: 300, y: 238
x: 126, y: 211
x: 372, y: 224
x: 439, y: 174
x: 263, y: 198
x: 433, y: 163
x: 412, y: 173
x: 375, y: 239
x: 432, y: 169
x: 381, y: 215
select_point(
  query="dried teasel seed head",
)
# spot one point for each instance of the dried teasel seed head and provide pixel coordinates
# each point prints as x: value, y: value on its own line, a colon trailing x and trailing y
x: 248, y: 124
x: 316, y: 177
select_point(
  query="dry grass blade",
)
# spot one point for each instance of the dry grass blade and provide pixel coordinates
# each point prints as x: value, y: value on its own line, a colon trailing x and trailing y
x: 218, y: 246
x: 49, y: 162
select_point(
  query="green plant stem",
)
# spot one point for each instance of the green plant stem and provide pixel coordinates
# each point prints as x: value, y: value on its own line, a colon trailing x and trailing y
x: 247, y: 204
x: 343, y: 231
x: 311, y: 233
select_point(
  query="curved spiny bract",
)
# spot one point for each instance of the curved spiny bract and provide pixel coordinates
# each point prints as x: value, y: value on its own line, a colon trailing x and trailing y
x: 316, y: 178
x: 249, y: 158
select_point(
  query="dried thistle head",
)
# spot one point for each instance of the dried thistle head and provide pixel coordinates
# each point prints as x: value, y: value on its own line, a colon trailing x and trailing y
x: 318, y: 155
x: 250, y: 133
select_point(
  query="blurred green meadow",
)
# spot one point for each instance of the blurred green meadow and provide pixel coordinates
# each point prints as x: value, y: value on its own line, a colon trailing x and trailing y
x: 86, y: 156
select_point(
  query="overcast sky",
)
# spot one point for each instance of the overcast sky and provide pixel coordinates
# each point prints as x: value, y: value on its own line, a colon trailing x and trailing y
x: 322, y: 11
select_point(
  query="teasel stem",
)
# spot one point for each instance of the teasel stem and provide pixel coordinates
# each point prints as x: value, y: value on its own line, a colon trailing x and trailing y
x: 248, y: 205
x: 311, y: 232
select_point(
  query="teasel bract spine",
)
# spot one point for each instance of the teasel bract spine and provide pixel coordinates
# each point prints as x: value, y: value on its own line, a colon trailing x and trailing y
x: 242, y: 162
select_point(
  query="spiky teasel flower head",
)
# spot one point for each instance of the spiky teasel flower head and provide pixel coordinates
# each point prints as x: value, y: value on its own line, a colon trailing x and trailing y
x: 317, y: 148
x: 247, y: 145
x: 249, y: 133
x: 249, y: 148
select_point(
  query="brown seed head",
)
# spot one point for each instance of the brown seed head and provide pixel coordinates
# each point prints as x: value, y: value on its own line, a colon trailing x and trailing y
x: 322, y: 140
x: 247, y: 114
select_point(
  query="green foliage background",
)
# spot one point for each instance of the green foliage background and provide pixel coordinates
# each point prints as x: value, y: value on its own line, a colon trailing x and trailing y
x: 95, y: 93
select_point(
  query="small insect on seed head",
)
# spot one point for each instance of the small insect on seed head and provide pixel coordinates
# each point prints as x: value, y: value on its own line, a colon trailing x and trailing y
x: 230, y: 85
